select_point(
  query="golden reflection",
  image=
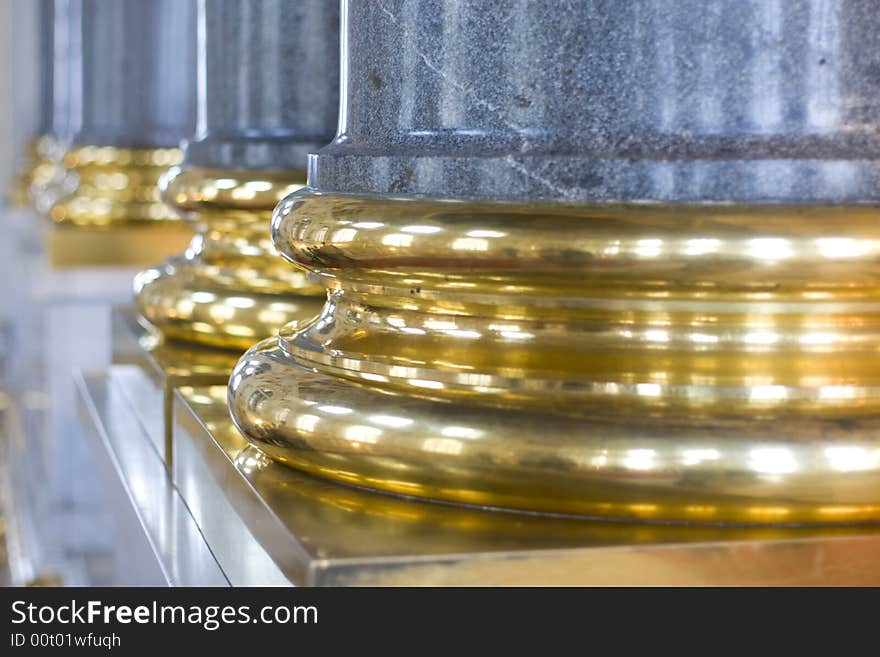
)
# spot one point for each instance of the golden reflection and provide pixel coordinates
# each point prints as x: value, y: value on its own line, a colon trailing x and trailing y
x: 230, y: 287
x: 30, y: 171
x: 43, y: 177
x: 433, y: 543
x: 113, y: 186
x: 670, y: 363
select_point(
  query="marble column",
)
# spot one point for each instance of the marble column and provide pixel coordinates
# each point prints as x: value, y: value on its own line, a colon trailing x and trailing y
x: 599, y: 258
x: 131, y: 100
x: 268, y: 81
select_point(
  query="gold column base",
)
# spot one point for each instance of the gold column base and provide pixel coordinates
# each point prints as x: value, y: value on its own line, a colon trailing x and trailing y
x: 114, y: 187
x: 323, y: 533
x: 43, y: 178
x: 230, y: 288
x: 114, y: 215
x: 120, y: 246
x: 692, y: 364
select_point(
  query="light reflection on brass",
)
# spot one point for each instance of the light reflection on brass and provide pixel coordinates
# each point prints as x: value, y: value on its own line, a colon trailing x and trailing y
x: 230, y: 288
x: 45, y: 179
x: 170, y: 364
x: 104, y: 205
x: 114, y: 186
x: 708, y: 363
x: 424, y: 543
x: 180, y: 362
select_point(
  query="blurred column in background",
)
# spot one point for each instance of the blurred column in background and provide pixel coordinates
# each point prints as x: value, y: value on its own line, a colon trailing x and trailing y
x: 60, y: 90
x: 132, y: 102
x: 269, y: 96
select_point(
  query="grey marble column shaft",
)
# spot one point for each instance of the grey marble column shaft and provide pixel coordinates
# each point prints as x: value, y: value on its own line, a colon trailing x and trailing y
x: 137, y: 73
x: 63, y: 43
x: 269, y: 76
x: 692, y: 101
x: 46, y: 43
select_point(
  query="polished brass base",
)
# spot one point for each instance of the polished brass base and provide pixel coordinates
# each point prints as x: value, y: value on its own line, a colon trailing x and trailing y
x: 44, y: 178
x: 230, y: 288
x: 698, y: 364
x: 324, y: 533
x: 114, y: 186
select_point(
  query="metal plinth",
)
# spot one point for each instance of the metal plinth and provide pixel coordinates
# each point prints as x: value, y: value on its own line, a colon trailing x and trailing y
x: 162, y: 366
x: 57, y: 515
x: 157, y: 541
x: 317, y: 532
x: 129, y: 246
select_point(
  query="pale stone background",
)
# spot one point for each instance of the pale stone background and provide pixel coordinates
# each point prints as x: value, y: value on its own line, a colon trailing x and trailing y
x: 19, y: 83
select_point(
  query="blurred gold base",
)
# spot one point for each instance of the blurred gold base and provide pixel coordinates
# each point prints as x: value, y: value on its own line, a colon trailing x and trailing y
x: 51, y: 179
x: 324, y: 533
x: 128, y: 245
x: 712, y: 364
x: 230, y: 288
x: 42, y: 176
x: 113, y: 186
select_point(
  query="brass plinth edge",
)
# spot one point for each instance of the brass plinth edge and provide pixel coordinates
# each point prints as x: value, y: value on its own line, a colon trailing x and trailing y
x: 127, y: 245
x: 354, y: 536
x: 112, y: 186
x: 706, y: 364
x: 230, y: 287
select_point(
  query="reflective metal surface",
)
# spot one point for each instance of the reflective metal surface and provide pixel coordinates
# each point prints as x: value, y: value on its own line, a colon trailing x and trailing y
x: 49, y: 179
x: 708, y: 364
x: 114, y: 186
x: 267, y: 96
x: 162, y: 365
x: 158, y: 543
x: 325, y: 533
x: 59, y: 322
x: 229, y: 288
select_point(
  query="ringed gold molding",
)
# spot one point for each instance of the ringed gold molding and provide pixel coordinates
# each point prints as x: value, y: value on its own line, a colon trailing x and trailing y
x: 114, y: 186
x: 46, y: 180
x: 230, y: 287
x: 699, y: 363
